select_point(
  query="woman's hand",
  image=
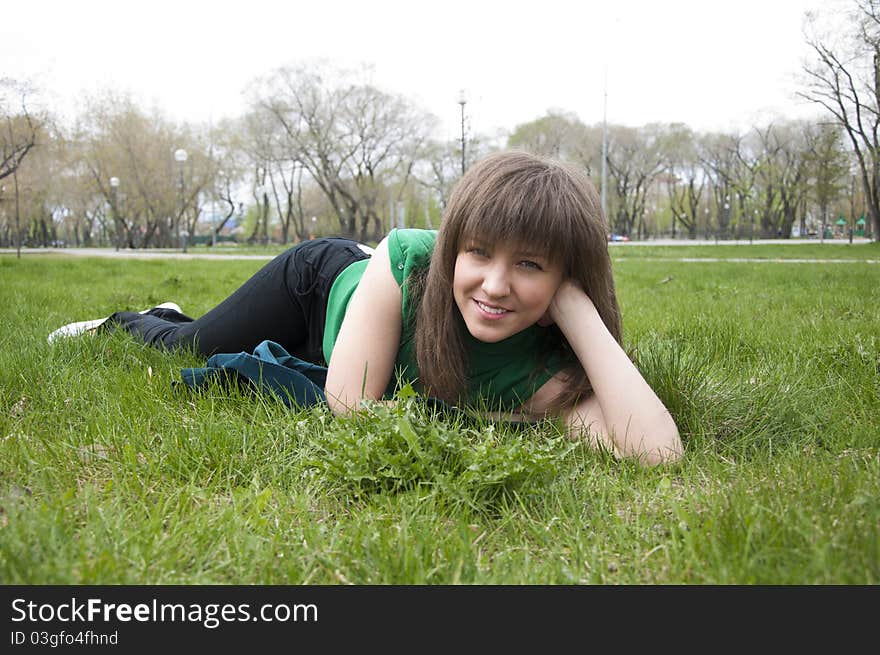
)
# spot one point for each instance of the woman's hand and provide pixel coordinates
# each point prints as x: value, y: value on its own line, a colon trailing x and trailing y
x: 567, y: 292
x: 624, y: 413
x: 567, y: 299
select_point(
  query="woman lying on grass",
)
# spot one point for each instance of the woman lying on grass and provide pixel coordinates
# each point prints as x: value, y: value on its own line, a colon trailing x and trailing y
x: 511, y: 304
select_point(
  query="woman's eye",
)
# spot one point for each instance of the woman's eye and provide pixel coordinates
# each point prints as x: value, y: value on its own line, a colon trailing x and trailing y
x: 479, y: 252
x: 530, y: 264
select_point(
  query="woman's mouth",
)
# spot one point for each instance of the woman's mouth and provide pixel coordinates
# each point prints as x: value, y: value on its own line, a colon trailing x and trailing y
x: 491, y: 311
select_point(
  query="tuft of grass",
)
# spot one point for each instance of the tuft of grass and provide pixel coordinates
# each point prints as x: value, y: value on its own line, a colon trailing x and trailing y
x: 391, y: 449
x: 717, y: 404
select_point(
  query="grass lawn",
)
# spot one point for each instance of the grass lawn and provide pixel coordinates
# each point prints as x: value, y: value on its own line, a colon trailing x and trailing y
x: 837, y: 250
x: 109, y: 474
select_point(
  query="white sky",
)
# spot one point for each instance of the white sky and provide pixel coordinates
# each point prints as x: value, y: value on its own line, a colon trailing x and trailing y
x: 712, y: 64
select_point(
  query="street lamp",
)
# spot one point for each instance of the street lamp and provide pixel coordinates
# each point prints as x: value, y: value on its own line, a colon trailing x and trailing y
x: 605, y: 150
x: 114, y: 184
x: 727, y: 215
x: 462, y: 100
x: 222, y: 176
x: 180, y: 157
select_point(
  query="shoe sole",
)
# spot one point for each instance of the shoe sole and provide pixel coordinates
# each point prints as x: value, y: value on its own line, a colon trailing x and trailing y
x: 81, y: 327
x: 75, y: 329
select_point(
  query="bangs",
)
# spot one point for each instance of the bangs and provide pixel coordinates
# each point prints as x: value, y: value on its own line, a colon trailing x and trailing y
x: 534, y: 214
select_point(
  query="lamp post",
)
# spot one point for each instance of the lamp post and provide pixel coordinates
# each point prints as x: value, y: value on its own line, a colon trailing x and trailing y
x: 605, y: 155
x: 752, y: 227
x: 462, y: 100
x: 114, y: 184
x: 180, y: 157
x: 222, y: 176
x: 727, y: 213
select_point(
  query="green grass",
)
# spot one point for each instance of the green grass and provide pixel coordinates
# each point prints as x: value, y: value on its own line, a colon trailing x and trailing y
x: 221, y: 248
x: 831, y: 249
x: 109, y: 474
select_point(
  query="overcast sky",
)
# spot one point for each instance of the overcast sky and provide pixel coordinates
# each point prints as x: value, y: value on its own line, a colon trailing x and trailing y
x: 712, y: 64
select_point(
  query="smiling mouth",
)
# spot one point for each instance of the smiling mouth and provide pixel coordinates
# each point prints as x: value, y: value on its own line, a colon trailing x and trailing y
x: 489, y: 309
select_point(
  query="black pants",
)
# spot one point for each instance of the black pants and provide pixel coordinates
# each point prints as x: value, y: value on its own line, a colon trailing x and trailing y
x: 285, y: 301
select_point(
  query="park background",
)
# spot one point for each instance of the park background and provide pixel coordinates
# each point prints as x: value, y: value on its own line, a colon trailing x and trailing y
x: 767, y: 354
x: 695, y: 120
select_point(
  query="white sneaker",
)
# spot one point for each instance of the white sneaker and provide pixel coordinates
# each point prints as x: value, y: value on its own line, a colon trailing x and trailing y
x: 75, y: 329
x: 80, y: 327
x: 165, y: 305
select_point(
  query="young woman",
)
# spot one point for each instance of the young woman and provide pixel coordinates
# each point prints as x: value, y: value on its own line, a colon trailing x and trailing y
x: 510, y: 306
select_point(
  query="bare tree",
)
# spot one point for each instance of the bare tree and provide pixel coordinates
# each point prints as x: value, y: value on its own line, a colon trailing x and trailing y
x: 793, y: 170
x: 158, y: 200
x: 21, y: 128
x: 40, y: 195
x: 686, y: 177
x: 844, y: 78
x: 777, y: 172
x: 228, y: 156
x: 19, y: 134
x: 719, y: 155
x: 636, y: 157
x: 438, y: 169
x: 355, y: 141
x: 560, y: 135
x: 828, y: 168
x: 271, y: 165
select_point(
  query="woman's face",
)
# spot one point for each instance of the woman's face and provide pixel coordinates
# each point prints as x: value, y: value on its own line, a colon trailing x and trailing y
x: 502, y: 289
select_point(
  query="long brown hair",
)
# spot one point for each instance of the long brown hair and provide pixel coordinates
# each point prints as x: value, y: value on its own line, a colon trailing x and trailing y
x: 524, y: 199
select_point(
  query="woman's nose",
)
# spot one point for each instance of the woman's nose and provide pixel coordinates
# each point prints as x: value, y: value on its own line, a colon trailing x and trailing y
x: 496, y: 282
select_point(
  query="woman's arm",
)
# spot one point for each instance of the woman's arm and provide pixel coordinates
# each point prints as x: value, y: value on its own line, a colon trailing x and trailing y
x: 366, y: 348
x: 624, y: 413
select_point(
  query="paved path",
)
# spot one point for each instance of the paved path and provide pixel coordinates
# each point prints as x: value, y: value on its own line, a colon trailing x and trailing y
x: 739, y: 242
x: 128, y: 254
x: 747, y: 260
x: 618, y: 253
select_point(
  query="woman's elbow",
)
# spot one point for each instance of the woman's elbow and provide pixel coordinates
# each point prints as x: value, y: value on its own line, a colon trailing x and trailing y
x: 659, y: 444
x: 666, y: 446
x: 341, y: 405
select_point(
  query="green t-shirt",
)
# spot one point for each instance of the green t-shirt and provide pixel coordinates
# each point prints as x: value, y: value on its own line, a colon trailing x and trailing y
x: 499, y: 374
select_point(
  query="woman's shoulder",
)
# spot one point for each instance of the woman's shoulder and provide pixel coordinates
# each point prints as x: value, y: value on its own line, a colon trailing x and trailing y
x: 408, y: 249
x: 411, y: 237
